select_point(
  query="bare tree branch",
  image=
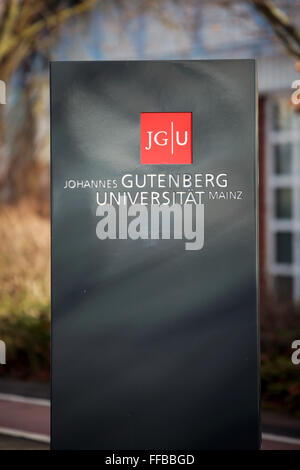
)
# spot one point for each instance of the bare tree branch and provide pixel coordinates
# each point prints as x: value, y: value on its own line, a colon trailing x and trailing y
x: 12, y: 10
x: 29, y: 33
x: 25, y: 25
x: 288, y: 33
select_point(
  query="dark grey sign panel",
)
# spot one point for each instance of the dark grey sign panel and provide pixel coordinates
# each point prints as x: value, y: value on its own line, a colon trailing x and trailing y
x: 154, y: 263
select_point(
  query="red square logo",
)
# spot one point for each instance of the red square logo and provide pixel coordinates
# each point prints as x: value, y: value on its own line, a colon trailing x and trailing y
x: 166, y: 138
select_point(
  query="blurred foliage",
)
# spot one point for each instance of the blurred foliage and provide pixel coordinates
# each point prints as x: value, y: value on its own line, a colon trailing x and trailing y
x: 25, y: 291
x: 27, y: 340
x: 24, y: 256
x: 280, y: 382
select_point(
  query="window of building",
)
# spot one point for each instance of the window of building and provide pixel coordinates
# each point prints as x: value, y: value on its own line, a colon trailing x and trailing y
x: 283, y: 203
x: 283, y: 158
x: 281, y: 114
x: 283, y: 247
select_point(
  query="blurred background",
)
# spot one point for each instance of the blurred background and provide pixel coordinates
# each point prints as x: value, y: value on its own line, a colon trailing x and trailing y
x: 31, y: 34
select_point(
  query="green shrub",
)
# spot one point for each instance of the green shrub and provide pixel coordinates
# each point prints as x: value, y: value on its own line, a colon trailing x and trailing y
x: 280, y: 383
x: 27, y: 339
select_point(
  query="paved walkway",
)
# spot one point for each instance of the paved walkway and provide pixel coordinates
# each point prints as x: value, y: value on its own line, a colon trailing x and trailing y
x: 25, y: 424
x: 25, y: 417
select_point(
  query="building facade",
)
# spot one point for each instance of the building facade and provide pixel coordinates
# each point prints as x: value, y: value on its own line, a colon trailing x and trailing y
x: 279, y: 139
